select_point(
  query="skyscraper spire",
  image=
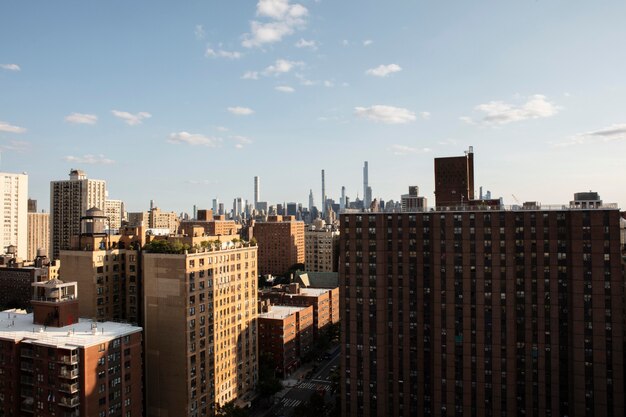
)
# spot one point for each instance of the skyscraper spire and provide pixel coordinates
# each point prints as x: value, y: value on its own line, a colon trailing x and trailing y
x: 323, y: 192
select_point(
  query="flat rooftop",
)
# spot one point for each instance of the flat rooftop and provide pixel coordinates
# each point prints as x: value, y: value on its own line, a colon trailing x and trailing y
x: 280, y: 312
x: 314, y: 292
x: 18, y: 326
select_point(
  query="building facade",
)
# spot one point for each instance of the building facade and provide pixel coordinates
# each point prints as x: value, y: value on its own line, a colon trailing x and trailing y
x: 285, y: 335
x: 69, y: 201
x: 482, y: 313
x: 114, y: 211
x: 13, y: 215
x: 321, y: 247
x: 454, y: 180
x: 206, y: 304
x: 281, y: 244
x: 38, y: 235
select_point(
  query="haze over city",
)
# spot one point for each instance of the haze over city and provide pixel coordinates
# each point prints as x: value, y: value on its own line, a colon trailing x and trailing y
x: 188, y: 102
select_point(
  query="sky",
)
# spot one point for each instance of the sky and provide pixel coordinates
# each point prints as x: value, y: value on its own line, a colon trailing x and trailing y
x: 183, y: 102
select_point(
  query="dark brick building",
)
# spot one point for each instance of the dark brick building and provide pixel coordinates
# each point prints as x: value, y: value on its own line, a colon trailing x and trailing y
x: 454, y: 179
x: 482, y: 313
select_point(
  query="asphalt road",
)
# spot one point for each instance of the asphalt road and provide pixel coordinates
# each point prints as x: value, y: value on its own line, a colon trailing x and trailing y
x: 320, y: 381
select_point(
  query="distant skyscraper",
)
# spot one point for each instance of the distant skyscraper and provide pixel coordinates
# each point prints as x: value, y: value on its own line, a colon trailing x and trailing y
x: 216, y: 203
x: 38, y: 234
x: 323, y: 192
x: 32, y: 206
x: 311, y: 202
x: 69, y: 200
x: 237, y: 207
x: 13, y: 215
x: 342, y: 202
x: 257, y: 192
x: 367, y: 191
x: 454, y: 179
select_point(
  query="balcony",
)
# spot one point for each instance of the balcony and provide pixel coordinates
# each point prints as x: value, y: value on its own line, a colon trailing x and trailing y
x: 68, y: 373
x: 69, y: 401
x: 69, y: 359
x: 68, y: 388
x: 28, y: 405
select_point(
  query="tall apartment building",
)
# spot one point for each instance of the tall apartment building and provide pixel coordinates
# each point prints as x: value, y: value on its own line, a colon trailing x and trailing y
x: 69, y: 201
x: 281, y: 244
x: 38, y: 235
x: 201, y: 329
x: 482, y: 313
x: 114, y: 211
x: 285, y: 335
x: 321, y: 247
x: 454, y: 179
x: 13, y: 214
x: 53, y: 364
x: 107, y: 269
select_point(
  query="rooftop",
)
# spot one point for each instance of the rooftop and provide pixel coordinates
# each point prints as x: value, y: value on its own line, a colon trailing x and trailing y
x: 313, y: 292
x: 18, y: 326
x: 280, y: 312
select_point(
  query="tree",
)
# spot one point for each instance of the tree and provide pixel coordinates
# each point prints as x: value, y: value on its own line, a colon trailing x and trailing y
x: 231, y: 410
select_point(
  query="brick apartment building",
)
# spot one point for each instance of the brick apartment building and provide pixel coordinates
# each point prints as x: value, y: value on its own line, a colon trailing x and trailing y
x: 53, y: 364
x: 325, y: 302
x: 482, y: 313
x: 281, y: 244
x: 286, y: 335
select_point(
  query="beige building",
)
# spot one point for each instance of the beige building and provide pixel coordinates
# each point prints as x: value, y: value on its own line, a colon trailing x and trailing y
x: 13, y: 214
x: 114, y: 210
x: 281, y: 244
x: 69, y: 201
x: 200, y: 326
x: 38, y: 234
x: 154, y: 219
x: 321, y: 247
x: 108, y: 271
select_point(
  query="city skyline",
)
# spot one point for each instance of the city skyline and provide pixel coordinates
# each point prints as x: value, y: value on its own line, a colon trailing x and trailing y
x: 171, y: 106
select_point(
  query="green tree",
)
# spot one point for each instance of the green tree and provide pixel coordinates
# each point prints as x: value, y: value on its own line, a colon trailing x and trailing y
x: 231, y: 410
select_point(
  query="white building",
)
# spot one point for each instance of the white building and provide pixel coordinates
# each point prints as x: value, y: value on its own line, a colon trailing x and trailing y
x: 69, y: 201
x: 114, y: 210
x: 13, y: 216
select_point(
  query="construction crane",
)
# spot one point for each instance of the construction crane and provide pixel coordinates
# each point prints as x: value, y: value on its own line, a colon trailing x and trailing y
x: 516, y: 199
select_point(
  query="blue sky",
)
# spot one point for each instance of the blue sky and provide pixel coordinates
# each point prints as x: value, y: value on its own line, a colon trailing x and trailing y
x: 184, y: 102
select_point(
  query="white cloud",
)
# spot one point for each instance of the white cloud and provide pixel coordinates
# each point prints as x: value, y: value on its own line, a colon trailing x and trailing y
x: 199, y: 32
x: 131, y: 119
x: 447, y: 142
x: 194, y: 139
x: 329, y: 83
x: 384, y: 70
x: 368, y: 42
x: 285, y: 19
x: 345, y: 42
x: 81, y: 119
x: 7, y: 127
x: 385, y: 114
x: 425, y: 115
x: 16, y: 146
x: 285, y: 89
x: 302, y: 43
x: 10, y: 67
x: 241, y: 141
x: 405, y: 150
x: 608, y: 134
x: 250, y: 75
x: 241, y: 111
x: 281, y: 66
x: 220, y: 53
x: 222, y: 128
x: 89, y: 159
x: 500, y: 113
